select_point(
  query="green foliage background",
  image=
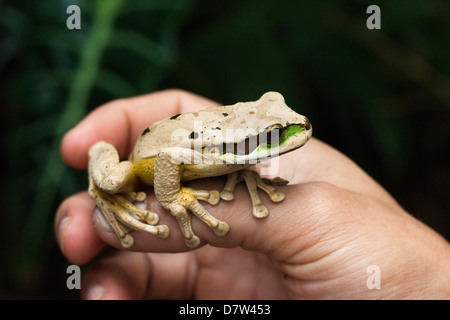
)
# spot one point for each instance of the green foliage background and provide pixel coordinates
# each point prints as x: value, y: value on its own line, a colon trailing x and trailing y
x: 380, y: 96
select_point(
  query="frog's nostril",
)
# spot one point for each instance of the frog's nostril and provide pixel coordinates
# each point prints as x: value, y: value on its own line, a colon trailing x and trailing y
x: 307, y: 124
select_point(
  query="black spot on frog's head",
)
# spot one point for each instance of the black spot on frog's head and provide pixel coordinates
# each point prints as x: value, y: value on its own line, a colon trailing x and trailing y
x: 216, y: 128
x: 175, y: 116
x: 193, y: 135
x: 225, y: 114
x: 147, y: 130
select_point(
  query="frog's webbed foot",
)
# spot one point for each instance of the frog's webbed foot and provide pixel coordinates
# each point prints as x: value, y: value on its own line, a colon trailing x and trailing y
x: 109, y: 182
x: 254, y: 182
x: 123, y: 215
x: 187, y: 201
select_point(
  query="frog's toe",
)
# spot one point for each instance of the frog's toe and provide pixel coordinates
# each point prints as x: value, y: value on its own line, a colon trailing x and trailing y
x: 275, y: 181
x: 193, y: 242
x: 227, y: 195
x: 276, y: 196
x: 123, y: 215
x: 211, y: 196
x: 137, y: 196
x: 266, y: 185
x: 260, y: 211
x: 152, y: 218
x: 109, y: 222
x: 140, y: 212
x: 214, y: 197
x: 221, y: 229
x: 162, y: 231
x: 186, y: 202
x: 127, y: 241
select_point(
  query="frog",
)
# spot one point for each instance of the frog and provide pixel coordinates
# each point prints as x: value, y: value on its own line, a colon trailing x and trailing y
x: 222, y: 140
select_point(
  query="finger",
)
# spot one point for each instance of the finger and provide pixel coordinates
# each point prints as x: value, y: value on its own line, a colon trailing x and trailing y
x: 120, y: 122
x: 74, y: 230
x: 120, y: 275
x: 128, y: 275
x: 245, y: 229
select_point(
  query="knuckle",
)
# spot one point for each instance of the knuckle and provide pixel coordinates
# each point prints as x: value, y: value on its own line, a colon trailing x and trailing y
x: 326, y: 196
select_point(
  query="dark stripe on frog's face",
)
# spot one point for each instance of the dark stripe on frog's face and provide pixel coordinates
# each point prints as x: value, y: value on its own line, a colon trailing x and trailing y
x: 268, y: 139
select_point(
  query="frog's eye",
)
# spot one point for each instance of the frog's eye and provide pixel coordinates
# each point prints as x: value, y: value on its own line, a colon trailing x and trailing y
x: 271, y: 135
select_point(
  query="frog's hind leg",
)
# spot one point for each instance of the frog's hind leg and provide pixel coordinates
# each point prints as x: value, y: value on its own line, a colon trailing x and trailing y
x: 123, y: 215
x: 253, y: 182
x: 110, y: 185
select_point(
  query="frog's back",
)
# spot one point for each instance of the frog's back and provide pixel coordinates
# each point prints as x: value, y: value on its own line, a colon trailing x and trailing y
x: 214, y: 125
x: 178, y: 130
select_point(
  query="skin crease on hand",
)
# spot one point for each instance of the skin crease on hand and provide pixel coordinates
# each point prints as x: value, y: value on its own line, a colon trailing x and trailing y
x: 318, y: 243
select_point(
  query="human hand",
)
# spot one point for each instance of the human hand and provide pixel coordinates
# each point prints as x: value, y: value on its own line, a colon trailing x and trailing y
x: 318, y: 243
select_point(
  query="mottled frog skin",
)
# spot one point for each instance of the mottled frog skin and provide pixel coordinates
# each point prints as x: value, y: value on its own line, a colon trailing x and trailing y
x: 221, y: 140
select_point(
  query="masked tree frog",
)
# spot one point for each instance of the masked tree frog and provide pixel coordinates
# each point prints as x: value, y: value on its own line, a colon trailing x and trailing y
x: 221, y: 140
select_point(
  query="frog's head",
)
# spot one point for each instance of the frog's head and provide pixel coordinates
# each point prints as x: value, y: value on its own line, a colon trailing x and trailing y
x: 262, y: 129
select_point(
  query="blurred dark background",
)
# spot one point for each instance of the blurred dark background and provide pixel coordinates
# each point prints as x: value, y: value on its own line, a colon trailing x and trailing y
x: 380, y: 96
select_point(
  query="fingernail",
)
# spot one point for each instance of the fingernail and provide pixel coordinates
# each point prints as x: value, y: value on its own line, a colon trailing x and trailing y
x: 95, y: 292
x: 63, y: 226
x: 140, y: 204
x: 101, y: 219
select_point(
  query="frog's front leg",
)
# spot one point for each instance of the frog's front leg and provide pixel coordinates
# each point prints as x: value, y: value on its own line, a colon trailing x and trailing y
x: 253, y: 182
x: 180, y: 200
x: 110, y: 185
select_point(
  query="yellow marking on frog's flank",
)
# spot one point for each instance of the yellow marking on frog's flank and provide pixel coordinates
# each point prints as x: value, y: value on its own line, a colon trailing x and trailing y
x: 145, y: 170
